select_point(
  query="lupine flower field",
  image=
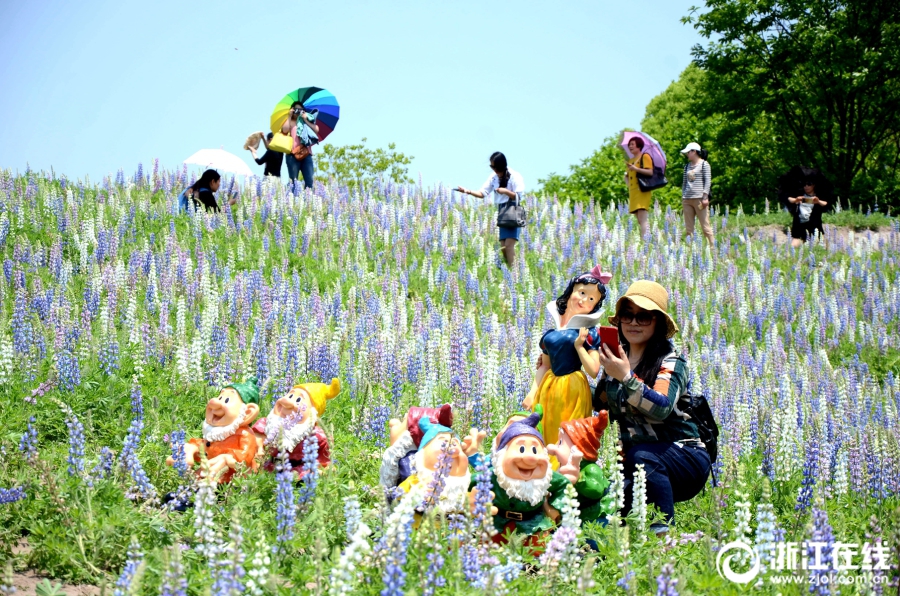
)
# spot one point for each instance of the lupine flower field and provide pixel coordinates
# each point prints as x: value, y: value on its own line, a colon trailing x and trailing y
x: 121, y: 318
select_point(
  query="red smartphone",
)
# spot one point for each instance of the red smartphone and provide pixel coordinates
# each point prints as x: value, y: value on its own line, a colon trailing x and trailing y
x: 609, y: 336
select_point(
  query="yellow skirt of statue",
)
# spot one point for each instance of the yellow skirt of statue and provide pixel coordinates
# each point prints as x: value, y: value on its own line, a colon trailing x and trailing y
x: 563, y: 398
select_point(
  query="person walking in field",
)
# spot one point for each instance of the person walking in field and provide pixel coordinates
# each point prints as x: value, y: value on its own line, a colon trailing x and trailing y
x: 271, y: 159
x: 638, y: 199
x: 505, y: 185
x: 695, y: 192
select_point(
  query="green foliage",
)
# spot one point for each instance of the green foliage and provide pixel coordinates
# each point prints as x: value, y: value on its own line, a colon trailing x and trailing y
x: 744, y: 160
x: 599, y: 176
x: 360, y: 165
x: 825, y: 76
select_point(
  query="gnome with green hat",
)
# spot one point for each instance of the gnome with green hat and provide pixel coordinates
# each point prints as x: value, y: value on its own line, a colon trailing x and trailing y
x: 227, y: 438
x: 437, y: 440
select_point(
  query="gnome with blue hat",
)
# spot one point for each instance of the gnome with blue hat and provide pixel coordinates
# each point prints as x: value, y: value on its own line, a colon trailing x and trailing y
x: 527, y: 491
x: 438, y: 439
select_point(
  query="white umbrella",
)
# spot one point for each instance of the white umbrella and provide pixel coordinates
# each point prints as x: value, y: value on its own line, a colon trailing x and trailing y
x: 221, y: 160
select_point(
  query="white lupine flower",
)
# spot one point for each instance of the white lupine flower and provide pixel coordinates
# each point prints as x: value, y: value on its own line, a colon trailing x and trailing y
x: 344, y: 575
x: 639, y: 498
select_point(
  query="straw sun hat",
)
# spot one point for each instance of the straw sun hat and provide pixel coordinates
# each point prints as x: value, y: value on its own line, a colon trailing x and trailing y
x: 648, y: 295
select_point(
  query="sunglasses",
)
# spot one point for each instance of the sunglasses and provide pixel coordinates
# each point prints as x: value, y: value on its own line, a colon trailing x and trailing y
x: 643, y: 318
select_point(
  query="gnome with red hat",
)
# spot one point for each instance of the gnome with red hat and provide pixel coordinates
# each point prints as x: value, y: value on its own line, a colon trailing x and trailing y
x: 577, y: 451
x: 398, y: 460
x: 523, y: 480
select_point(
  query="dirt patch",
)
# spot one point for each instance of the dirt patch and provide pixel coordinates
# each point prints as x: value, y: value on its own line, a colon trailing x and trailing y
x: 840, y: 234
x: 27, y: 582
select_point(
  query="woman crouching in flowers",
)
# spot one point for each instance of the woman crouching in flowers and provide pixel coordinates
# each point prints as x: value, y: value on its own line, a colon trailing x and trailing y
x: 640, y: 387
x: 560, y: 384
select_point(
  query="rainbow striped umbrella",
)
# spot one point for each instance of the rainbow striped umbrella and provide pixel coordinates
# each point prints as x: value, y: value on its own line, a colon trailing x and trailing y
x: 312, y: 98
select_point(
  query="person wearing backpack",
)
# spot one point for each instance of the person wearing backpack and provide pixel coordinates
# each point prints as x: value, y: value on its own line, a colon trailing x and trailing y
x: 695, y: 187
x: 641, y: 383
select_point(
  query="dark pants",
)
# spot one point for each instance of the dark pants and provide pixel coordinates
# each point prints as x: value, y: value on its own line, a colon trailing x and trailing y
x: 675, y: 473
x: 305, y: 166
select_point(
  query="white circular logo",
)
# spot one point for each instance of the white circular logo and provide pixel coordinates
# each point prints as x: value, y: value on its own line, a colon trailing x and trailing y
x: 723, y: 562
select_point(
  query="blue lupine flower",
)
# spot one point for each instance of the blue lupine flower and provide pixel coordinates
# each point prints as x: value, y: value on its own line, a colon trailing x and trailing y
x: 286, y: 512
x: 11, y: 495
x: 126, y: 579
x: 28, y: 445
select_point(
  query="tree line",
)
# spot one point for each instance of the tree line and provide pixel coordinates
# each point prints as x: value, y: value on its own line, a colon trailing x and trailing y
x: 775, y: 84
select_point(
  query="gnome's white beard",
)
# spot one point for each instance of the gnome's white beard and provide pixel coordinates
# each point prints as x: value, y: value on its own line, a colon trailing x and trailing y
x: 456, y: 488
x: 214, y: 434
x: 531, y: 491
x: 291, y: 437
x: 390, y: 459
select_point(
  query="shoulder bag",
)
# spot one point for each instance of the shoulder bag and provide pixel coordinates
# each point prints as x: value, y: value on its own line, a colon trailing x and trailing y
x: 511, y: 214
x: 654, y: 181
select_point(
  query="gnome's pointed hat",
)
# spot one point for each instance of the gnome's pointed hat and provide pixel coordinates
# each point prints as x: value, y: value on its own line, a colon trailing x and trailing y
x: 248, y: 390
x: 526, y: 413
x: 523, y: 427
x: 585, y: 433
x: 442, y: 415
x: 320, y: 393
x: 430, y: 430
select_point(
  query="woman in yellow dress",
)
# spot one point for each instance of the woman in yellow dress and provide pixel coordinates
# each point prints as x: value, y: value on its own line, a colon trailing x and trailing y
x: 568, y: 351
x: 638, y: 200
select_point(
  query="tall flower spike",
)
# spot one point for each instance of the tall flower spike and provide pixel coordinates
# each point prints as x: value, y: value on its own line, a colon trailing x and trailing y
x: 129, y: 581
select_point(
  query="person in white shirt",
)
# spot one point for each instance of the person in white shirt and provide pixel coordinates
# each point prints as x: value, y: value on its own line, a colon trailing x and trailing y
x: 505, y: 185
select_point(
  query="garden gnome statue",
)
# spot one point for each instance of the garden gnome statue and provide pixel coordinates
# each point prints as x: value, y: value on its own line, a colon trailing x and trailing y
x: 437, y: 439
x: 295, y: 417
x: 522, y: 478
x: 577, y: 452
x: 398, y: 459
x: 227, y: 438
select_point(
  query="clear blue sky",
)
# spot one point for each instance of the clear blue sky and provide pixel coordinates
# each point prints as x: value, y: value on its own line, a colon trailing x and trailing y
x: 95, y: 85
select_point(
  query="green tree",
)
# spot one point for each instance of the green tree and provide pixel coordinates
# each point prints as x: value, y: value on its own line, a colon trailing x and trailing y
x: 599, y: 176
x: 825, y: 74
x: 360, y: 165
x: 744, y: 153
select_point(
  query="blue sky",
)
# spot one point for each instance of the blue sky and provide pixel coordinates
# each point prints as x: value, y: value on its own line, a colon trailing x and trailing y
x: 92, y: 86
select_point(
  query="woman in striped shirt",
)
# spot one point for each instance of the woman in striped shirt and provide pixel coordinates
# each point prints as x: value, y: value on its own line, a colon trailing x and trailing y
x: 640, y: 387
x: 695, y: 192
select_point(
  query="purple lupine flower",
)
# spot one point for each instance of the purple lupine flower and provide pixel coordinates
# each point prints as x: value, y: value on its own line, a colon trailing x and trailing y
x: 126, y: 579
x: 228, y: 570
x: 810, y: 471
x: 76, y: 443
x: 286, y: 513
x: 68, y: 370
x: 438, y: 479
x: 375, y: 425
x: 310, y: 469
x: 104, y: 465
x: 666, y: 582
x: 432, y: 578
x: 178, y: 456
x: 109, y: 357
x: 11, y: 495
x: 819, y: 551
x: 482, y: 518
x: 352, y: 516
x: 395, y: 544
x: 28, y: 444
x: 141, y: 485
